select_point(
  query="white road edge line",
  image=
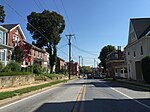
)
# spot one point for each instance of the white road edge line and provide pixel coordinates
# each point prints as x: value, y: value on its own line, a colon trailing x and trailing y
x: 127, y: 96
x: 27, y: 97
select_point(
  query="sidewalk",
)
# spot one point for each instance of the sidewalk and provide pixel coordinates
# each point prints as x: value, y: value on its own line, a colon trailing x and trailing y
x: 136, y: 83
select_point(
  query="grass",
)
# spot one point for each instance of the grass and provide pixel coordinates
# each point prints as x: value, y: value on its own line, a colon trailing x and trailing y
x: 9, y: 94
x: 14, y: 73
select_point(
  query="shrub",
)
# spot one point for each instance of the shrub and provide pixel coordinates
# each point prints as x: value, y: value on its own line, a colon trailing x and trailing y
x: 146, y: 68
x: 14, y: 73
x: 1, y: 66
x: 37, y: 69
x: 12, y: 66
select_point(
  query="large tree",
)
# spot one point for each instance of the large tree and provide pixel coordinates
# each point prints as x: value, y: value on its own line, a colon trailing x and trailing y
x: 103, y: 54
x: 45, y: 29
x: 2, y: 14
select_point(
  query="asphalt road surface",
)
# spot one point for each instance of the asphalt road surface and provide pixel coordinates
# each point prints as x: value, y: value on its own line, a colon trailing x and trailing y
x: 85, y: 95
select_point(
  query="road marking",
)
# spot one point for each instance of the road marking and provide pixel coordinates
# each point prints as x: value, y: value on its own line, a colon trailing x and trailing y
x: 82, y: 103
x: 128, y: 96
x: 75, y: 106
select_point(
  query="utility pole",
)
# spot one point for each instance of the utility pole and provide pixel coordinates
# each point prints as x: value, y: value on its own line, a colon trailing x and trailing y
x: 79, y: 65
x: 94, y: 65
x: 69, y: 43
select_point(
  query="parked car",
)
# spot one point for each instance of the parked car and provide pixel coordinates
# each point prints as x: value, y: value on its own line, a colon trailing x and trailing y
x: 97, y: 76
x: 89, y: 76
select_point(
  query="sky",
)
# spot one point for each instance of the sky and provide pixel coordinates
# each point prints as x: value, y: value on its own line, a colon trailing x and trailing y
x: 95, y: 23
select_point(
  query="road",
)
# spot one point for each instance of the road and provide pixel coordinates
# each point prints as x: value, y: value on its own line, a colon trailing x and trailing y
x: 85, y: 95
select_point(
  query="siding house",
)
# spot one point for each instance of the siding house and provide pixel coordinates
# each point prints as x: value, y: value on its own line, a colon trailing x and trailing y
x: 138, y: 46
x: 5, y: 49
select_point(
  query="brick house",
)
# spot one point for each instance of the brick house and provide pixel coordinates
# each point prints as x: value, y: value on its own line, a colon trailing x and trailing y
x: 74, y: 68
x: 10, y: 35
x: 35, y: 55
x: 60, y: 64
x: 115, y: 64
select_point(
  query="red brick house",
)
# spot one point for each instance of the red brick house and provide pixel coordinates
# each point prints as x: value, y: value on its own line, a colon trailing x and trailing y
x: 115, y: 65
x: 34, y: 55
x: 60, y: 64
x: 74, y: 68
x: 14, y: 34
x: 10, y: 35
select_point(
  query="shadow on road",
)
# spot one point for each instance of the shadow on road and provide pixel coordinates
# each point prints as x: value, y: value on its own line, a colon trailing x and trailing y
x: 119, y: 85
x: 97, y: 105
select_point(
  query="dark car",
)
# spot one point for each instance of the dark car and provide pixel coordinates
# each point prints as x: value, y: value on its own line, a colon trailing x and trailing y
x: 97, y: 76
x: 89, y: 76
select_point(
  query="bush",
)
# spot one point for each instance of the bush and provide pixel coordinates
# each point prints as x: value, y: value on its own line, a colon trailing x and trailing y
x: 37, y: 69
x: 12, y: 66
x: 146, y: 68
x: 1, y: 66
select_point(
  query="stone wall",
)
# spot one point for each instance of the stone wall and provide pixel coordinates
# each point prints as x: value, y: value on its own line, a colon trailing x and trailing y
x: 12, y: 81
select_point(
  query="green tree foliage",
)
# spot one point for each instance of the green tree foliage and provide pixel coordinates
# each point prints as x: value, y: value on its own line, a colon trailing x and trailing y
x: 2, y: 14
x: 51, y: 25
x: 146, y: 68
x: 103, y: 54
x: 18, y: 54
x: 86, y: 69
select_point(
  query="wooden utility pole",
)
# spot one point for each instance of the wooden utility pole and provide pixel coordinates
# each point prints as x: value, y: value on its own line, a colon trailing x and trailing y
x: 69, y: 43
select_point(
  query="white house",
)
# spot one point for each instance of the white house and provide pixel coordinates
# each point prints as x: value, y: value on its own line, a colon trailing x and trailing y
x: 138, y: 46
x: 5, y: 49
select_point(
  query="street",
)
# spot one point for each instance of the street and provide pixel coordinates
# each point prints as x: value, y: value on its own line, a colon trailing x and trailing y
x: 85, y: 95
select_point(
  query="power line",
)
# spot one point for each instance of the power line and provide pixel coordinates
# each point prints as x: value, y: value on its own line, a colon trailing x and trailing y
x: 38, y: 5
x: 71, y: 29
x: 63, y: 46
x: 82, y: 50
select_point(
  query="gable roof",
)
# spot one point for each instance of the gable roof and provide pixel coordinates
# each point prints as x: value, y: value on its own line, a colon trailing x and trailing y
x: 140, y: 26
x: 10, y: 27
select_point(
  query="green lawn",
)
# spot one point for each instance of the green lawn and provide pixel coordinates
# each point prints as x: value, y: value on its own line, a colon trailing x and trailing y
x: 9, y: 94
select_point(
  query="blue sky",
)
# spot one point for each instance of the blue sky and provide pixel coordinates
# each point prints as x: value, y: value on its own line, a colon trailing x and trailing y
x: 95, y: 23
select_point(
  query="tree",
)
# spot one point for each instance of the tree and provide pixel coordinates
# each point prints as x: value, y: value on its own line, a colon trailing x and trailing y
x: 145, y: 68
x: 103, y: 54
x: 49, y: 26
x: 86, y: 69
x: 18, y: 54
x: 2, y: 14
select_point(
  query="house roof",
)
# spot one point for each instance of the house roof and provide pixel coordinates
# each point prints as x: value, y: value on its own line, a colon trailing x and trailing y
x: 10, y: 27
x: 141, y: 26
x: 34, y: 47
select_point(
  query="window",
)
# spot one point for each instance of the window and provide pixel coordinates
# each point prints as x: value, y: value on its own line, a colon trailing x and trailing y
x: 34, y: 53
x: 1, y: 35
x: 15, y: 40
x: 134, y: 54
x: 116, y: 56
x: 128, y: 53
x: 141, y: 50
x: 2, y: 56
x: 16, y: 31
x: 4, y: 38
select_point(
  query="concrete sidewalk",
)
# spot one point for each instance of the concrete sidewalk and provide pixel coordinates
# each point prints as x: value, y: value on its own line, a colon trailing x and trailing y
x: 143, y: 85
